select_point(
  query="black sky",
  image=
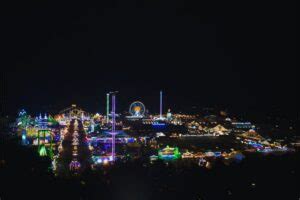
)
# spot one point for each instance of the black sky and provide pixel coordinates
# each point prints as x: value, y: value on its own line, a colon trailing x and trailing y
x: 240, y: 55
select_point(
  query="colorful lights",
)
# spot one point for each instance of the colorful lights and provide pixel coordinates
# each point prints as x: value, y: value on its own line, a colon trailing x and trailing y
x: 169, y: 153
x: 102, y: 160
x: 137, y: 109
x: 71, y: 138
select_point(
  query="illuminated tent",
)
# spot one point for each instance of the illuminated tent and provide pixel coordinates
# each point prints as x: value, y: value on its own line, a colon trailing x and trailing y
x: 187, y: 155
x: 160, y: 134
x: 251, y: 134
x: 219, y: 128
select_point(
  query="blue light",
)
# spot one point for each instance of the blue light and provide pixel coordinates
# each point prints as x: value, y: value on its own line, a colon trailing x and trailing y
x: 130, y: 140
x: 158, y: 125
x: 218, y: 154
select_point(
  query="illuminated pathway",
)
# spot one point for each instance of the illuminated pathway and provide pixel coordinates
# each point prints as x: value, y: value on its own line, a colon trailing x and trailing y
x: 74, y: 155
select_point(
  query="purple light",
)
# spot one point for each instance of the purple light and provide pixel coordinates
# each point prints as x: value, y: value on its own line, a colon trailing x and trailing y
x: 74, y: 165
x: 113, y: 131
x: 113, y: 113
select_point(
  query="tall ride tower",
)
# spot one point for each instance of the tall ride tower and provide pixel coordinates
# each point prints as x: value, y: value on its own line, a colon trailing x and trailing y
x: 107, y: 108
x: 113, y: 125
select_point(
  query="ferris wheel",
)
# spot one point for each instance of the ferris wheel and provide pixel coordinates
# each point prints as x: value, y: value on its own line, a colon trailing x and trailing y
x: 137, y: 109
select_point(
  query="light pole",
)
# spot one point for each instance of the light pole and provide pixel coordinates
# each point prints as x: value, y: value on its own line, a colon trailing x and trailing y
x: 107, y: 108
x: 113, y: 127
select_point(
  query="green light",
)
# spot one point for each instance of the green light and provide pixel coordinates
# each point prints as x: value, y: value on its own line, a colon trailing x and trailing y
x: 177, y: 154
x: 52, y: 121
x: 43, y: 151
x: 169, y: 153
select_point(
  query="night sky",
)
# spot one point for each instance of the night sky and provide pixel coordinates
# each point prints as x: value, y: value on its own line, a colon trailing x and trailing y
x: 236, y: 55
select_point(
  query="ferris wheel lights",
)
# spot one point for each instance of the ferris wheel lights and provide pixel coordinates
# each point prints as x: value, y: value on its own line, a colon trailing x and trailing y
x: 137, y: 109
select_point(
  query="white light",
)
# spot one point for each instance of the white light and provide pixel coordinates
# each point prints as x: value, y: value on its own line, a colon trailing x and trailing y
x: 105, y: 161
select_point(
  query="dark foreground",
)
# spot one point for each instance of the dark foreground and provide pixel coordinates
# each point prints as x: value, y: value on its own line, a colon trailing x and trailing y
x: 24, y: 175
